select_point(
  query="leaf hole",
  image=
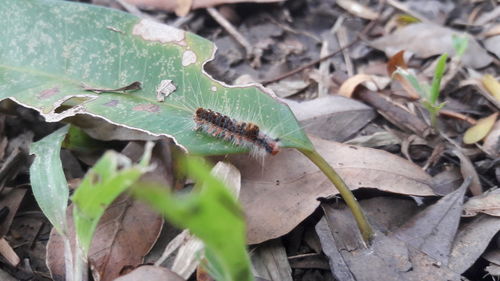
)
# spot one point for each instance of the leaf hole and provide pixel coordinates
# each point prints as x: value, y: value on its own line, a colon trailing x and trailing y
x: 71, y: 103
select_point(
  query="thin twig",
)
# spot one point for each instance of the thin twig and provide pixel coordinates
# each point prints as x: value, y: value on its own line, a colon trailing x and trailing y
x: 359, y: 37
x: 342, y: 38
x: 303, y: 256
x: 458, y: 116
x: 311, y: 64
x: 231, y: 30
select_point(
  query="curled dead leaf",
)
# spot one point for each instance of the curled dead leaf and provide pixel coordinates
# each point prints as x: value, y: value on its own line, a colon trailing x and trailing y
x: 396, y: 61
x: 488, y: 203
x: 357, y: 9
x: 349, y: 86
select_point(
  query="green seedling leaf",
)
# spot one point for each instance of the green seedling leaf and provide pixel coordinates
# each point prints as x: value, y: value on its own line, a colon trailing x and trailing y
x: 212, y: 214
x: 102, y: 184
x: 436, y: 80
x: 48, y: 182
x: 50, y: 61
x: 460, y: 44
x: 420, y: 88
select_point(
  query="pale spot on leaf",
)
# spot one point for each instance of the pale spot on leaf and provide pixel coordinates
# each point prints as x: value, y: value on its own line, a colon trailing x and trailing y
x: 153, y: 31
x: 147, y: 107
x: 188, y: 58
x: 163, y: 90
x: 48, y: 93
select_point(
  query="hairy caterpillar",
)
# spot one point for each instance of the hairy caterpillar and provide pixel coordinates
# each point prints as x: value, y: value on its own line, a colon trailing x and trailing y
x: 239, y: 133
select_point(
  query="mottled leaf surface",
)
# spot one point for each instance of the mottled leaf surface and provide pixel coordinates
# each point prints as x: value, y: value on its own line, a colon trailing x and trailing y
x: 51, y: 50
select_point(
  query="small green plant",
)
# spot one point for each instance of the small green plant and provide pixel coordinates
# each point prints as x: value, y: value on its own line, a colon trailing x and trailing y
x: 430, y: 94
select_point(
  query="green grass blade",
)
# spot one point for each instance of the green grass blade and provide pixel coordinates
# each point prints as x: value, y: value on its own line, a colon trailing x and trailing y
x: 421, y: 90
x: 48, y: 181
x: 438, y: 75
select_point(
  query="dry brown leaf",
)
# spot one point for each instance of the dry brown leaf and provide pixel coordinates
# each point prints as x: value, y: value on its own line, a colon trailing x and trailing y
x: 427, y: 39
x: 480, y: 130
x: 333, y: 117
x: 270, y: 261
x: 196, y: 4
x: 396, y: 61
x: 8, y: 253
x: 11, y: 199
x: 125, y: 234
x: 392, y: 65
x: 202, y: 273
x: 492, y: 31
x: 476, y: 82
x: 471, y: 240
x: 357, y: 9
x: 288, y: 87
x: 447, y: 181
x: 492, y: 141
x: 493, y: 270
x: 349, y: 86
x: 488, y: 203
x: 183, y: 7
x: 150, y: 273
x: 491, y: 85
x: 491, y: 44
x: 376, y: 139
x: 281, y: 191
x: 4, y: 276
x: 487, y: 16
x: 468, y: 170
x: 432, y: 230
x: 188, y: 256
x: 387, y: 258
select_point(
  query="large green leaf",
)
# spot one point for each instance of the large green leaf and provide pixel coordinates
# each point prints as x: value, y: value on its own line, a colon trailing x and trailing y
x: 49, y: 48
